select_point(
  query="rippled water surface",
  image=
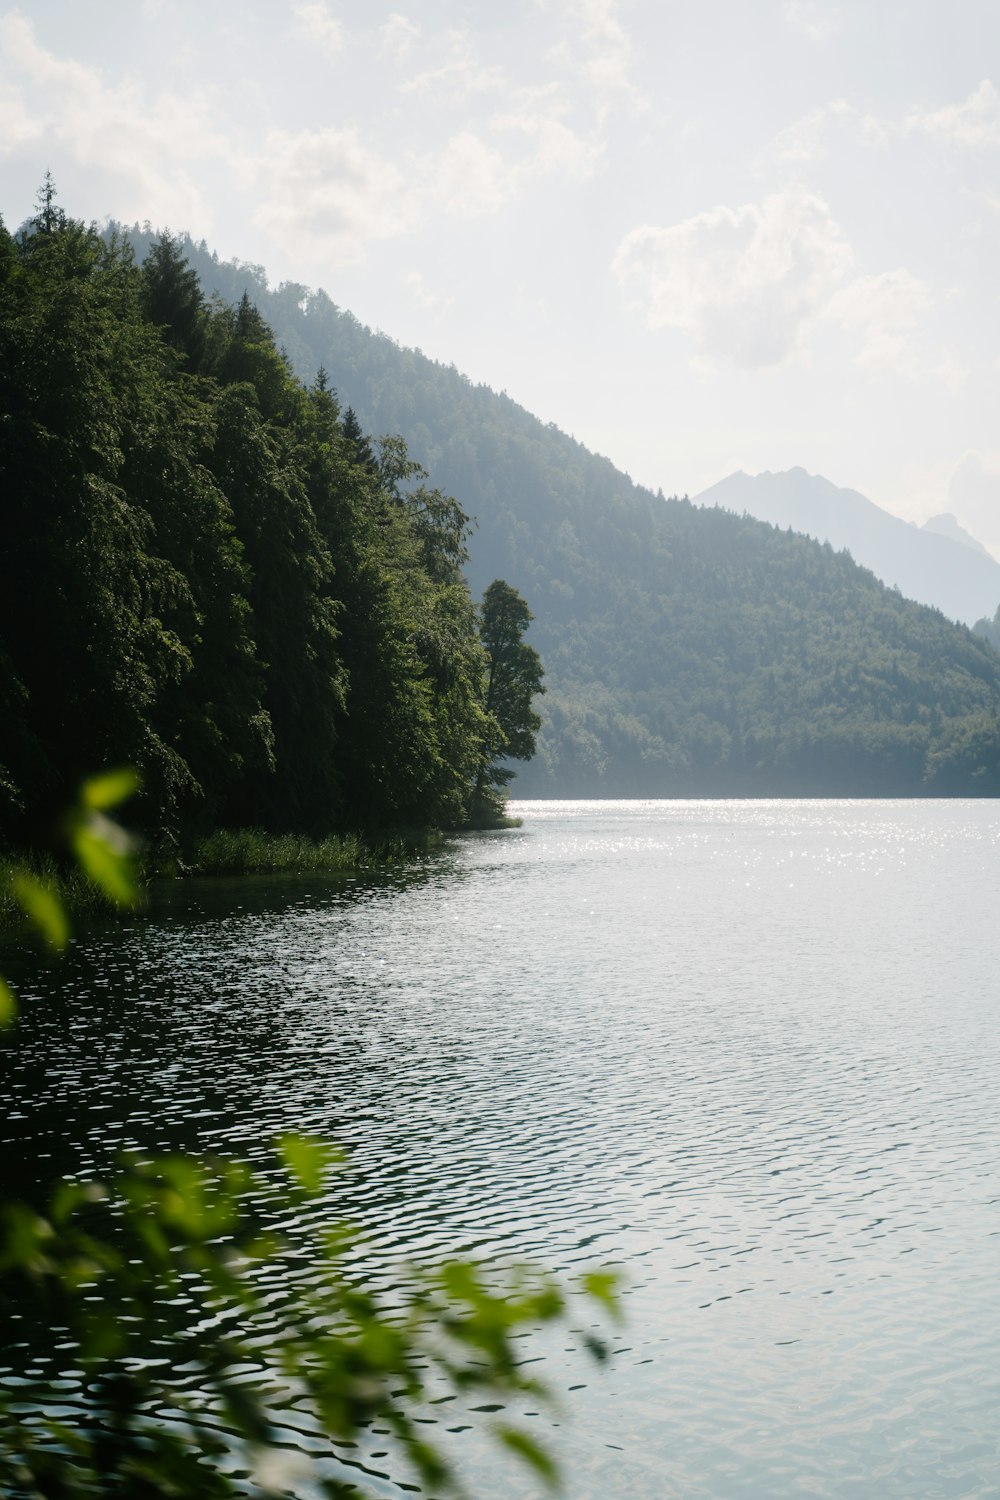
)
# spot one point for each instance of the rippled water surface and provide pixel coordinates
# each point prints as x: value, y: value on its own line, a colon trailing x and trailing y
x: 746, y: 1050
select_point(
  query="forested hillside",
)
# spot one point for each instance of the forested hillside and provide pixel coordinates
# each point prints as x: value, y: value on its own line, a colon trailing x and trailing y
x: 687, y: 651
x: 927, y: 564
x: 208, y: 571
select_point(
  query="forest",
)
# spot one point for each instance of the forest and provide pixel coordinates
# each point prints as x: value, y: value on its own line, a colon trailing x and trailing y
x: 688, y: 651
x: 210, y: 573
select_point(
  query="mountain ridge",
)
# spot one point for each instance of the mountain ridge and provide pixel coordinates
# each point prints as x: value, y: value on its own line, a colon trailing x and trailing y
x: 947, y: 524
x: 934, y: 567
x: 688, y: 651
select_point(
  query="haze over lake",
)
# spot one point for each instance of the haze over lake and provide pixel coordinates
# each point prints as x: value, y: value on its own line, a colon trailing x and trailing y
x: 743, y: 1050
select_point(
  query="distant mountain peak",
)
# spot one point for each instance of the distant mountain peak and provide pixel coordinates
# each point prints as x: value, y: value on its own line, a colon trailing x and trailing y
x: 946, y: 524
x: 938, y: 564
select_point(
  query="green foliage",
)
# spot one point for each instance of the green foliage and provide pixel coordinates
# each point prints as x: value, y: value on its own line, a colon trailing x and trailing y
x: 239, y: 851
x: 248, y: 598
x: 77, y: 895
x: 39, y: 900
x: 104, y: 851
x: 687, y: 651
x: 244, y: 851
x: 989, y: 630
x: 8, y: 1004
x: 175, y: 1249
x: 105, y: 859
x: 513, y: 680
x: 173, y: 300
x: 170, y: 1259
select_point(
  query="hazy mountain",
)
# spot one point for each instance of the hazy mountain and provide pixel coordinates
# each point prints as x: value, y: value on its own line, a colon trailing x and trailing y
x: 940, y: 565
x: 688, y: 651
x: 947, y: 525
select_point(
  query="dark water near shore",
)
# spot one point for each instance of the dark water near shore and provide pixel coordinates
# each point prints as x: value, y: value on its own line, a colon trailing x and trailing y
x: 748, y: 1051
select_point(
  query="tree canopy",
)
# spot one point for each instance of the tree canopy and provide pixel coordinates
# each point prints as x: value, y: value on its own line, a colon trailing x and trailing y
x: 513, y: 679
x: 208, y: 570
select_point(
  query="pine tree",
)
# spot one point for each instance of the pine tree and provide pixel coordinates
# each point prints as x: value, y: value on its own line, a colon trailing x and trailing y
x: 173, y: 299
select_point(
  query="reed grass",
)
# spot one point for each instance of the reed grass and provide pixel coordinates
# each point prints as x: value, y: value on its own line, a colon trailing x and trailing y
x: 252, y: 851
x: 239, y: 851
x: 78, y: 895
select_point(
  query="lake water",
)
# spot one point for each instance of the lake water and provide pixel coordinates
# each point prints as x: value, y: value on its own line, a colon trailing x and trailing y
x: 746, y: 1051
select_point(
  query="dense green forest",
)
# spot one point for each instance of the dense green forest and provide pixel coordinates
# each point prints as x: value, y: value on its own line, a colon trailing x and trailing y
x: 208, y: 570
x: 687, y: 650
x: 988, y: 628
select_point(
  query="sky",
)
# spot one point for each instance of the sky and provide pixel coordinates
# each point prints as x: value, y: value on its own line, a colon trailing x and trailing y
x: 731, y: 234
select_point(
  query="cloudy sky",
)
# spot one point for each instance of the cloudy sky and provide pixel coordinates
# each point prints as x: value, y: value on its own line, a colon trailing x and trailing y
x: 699, y: 236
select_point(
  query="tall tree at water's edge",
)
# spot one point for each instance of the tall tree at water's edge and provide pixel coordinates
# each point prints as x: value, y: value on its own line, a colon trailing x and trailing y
x: 514, y: 679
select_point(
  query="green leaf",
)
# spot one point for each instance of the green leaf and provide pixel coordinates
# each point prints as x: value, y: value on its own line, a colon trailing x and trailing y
x: 595, y: 1347
x: 102, y: 792
x: 40, y: 901
x: 430, y: 1465
x: 531, y: 1452
x: 8, y: 1004
x: 104, y: 852
x: 308, y: 1160
x: 603, y: 1287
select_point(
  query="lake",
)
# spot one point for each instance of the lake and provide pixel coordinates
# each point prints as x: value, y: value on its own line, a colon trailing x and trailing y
x: 745, y: 1051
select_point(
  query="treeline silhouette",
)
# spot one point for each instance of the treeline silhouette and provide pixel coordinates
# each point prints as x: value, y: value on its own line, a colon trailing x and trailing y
x: 207, y: 570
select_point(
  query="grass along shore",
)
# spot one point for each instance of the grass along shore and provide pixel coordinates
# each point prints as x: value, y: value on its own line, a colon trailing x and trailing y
x: 239, y: 851
x: 252, y: 851
x: 77, y: 894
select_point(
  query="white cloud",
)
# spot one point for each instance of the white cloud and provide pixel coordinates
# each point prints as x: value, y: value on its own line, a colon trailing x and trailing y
x: 608, y: 57
x: 974, y: 495
x: 975, y: 122
x: 469, y: 177
x: 746, y: 284
x: 399, y: 34
x: 807, y: 138
x: 598, y: 52
x: 424, y: 296
x: 314, y: 21
x: 880, y: 311
x: 554, y: 146
x: 817, y: 20
x: 17, y: 127
x: 985, y: 197
x: 968, y: 487
x: 148, y: 142
x: 752, y: 285
x: 328, y: 188
x: 460, y: 76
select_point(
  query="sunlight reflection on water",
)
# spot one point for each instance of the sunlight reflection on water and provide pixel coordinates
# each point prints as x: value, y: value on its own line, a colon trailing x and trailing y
x: 747, y: 1050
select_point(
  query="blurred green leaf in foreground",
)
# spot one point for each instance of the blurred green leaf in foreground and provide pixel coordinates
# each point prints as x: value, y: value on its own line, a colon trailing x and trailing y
x: 177, y: 1371
x: 186, y: 1370
x: 105, y: 854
